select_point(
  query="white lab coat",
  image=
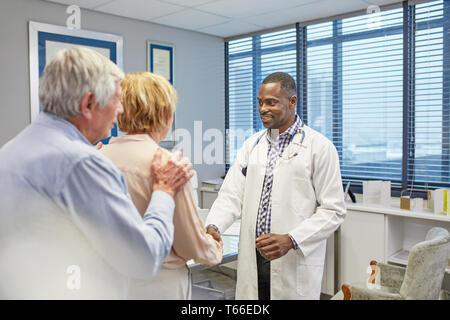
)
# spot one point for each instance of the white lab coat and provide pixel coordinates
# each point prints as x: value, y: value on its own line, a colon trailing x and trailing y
x: 307, y: 202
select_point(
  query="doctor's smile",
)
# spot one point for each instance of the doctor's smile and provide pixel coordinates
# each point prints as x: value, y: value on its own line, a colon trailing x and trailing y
x: 266, y: 118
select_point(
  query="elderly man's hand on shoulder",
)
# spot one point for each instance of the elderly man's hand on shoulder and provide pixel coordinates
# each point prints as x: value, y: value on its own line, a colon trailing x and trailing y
x: 170, y: 174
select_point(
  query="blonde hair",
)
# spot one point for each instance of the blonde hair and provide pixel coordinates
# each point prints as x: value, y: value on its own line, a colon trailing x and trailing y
x: 70, y: 75
x: 148, y: 101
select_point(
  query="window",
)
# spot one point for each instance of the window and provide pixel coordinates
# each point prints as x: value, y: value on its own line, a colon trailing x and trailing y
x: 428, y: 163
x: 250, y: 60
x: 240, y: 94
x: 355, y: 82
x: 379, y: 89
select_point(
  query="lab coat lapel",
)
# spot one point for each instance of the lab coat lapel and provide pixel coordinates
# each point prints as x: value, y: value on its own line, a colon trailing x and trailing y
x: 257, y: 164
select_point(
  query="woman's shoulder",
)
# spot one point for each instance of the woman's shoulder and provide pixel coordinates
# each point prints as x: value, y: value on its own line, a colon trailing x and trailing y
x: 131, y: 153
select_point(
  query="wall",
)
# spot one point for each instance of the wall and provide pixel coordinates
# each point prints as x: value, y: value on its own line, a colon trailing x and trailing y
x: 199, y: 65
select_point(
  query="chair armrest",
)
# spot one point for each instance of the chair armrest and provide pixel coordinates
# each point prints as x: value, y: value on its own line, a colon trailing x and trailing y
x: 444, y: 295
x: 391, y: 276
x: 358, y: 293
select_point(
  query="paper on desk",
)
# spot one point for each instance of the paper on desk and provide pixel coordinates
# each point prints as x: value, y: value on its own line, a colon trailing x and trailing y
x: 234, y: 229
x: 214, y: 181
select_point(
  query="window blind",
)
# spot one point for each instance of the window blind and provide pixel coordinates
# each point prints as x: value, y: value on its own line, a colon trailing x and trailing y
x: 250, y: 60
x: 429, y: 161
x: 240, y: 94
x: 377, y: 86
x: 354, y: 79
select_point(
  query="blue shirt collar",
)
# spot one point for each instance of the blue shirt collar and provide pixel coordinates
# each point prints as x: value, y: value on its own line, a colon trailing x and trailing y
x: 61, y: 125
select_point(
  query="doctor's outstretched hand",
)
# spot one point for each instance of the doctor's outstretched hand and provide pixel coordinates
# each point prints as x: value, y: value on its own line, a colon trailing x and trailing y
x: 216, y: 236
x: 273, y: 246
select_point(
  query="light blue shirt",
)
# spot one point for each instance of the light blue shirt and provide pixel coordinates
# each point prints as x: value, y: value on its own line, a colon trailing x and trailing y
x: 51, y: 161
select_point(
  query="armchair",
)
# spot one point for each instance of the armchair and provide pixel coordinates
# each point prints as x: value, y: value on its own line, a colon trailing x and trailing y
x: 421, y: 279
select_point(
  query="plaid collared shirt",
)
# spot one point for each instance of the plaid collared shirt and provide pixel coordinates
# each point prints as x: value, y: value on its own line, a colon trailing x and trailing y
x: 277, y: 145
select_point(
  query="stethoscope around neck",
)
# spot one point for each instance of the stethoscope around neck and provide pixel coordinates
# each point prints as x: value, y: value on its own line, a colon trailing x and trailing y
x: 299, y: 131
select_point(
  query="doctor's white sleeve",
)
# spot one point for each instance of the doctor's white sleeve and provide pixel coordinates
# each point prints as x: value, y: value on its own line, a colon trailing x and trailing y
x: 228, y: 205
x: 331, y: 210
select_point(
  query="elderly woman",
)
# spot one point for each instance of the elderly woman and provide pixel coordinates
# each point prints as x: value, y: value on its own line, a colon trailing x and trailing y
x: 149, y: 102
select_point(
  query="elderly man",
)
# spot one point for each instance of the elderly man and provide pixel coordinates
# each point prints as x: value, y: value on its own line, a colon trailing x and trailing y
x: 68, y: 228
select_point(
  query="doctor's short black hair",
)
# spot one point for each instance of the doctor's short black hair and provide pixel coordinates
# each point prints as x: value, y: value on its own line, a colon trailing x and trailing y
x: 285, y: 80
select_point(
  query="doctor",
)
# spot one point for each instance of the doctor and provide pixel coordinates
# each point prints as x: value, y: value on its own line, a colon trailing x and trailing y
x: 286, y: 187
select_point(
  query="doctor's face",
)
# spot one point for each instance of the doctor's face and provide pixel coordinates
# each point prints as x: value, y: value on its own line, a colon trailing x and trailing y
x: 276, y: 106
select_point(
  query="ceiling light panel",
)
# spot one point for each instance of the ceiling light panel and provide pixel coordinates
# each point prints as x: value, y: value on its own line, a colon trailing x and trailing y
x: 191, y: 19
x: 139, y: 9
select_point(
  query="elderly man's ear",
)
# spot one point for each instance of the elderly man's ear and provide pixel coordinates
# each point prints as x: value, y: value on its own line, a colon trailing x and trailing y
x: 87, y: 104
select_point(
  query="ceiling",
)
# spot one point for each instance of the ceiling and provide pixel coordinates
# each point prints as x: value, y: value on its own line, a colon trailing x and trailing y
x: 225, y: 18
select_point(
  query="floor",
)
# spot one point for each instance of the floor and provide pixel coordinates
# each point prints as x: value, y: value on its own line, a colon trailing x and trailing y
x: 217, y: 283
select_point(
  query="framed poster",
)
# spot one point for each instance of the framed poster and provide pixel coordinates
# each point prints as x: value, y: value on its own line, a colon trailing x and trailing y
x: 46, y: 39
x: 160, y: 59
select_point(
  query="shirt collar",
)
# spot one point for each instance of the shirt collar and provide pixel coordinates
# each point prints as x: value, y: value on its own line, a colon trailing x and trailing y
x: 272, y: 135
x: 64, y: 126
x: 292, y: 129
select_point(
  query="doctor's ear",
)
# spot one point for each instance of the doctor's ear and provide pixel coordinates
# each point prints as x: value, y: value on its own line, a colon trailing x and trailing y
x: 293, y: 100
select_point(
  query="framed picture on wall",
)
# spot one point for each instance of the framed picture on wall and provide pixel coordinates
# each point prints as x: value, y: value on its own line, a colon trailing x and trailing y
x: 45, y: 40
x: 160, y: 59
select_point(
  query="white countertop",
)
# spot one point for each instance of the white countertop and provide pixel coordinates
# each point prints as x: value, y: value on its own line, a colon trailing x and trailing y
x: 394, y: 209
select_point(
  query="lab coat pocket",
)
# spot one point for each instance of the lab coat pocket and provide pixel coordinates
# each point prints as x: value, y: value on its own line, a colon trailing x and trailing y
x: 309, y: 278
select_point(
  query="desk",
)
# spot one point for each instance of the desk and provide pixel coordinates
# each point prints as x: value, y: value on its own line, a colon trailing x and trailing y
x: 230, y: 240
x: 230, y: 253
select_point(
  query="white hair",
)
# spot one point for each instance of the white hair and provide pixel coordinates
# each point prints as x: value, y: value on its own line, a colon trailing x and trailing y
x: 70, y: 75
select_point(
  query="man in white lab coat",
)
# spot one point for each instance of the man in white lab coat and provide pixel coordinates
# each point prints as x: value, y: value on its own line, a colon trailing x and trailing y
x: 286, y: 187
